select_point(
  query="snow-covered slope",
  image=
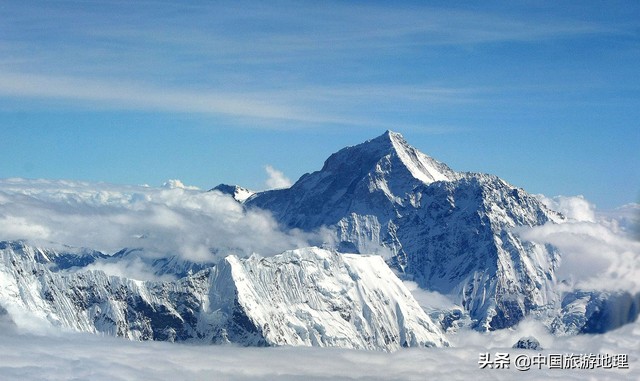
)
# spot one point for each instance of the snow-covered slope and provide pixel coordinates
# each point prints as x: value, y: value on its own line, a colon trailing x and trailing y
x: 322, y: 298
x: 452, y: 232
x: 61, y: 258
x: 302, y: 297
x: 239, y: 193
x: 371, y: 178
x: 56, y: 259
x: 596, y: 311
x: 91, y: 301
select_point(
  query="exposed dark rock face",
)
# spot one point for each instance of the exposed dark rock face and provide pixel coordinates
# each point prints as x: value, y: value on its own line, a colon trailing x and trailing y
x: 529, y: 342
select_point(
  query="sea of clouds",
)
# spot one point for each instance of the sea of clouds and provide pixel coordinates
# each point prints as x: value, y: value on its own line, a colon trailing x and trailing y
x: 172, y: 220
x: 73, y: 356
x: 600, y: 250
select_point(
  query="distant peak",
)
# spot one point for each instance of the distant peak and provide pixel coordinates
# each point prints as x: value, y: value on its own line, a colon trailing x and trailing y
x: 239, y: 193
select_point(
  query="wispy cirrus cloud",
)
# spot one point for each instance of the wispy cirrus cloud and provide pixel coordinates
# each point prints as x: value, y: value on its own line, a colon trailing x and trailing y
x: 300, y: 64
x: 110, y: 94
x: 308, y: 105
x: 216, y: 40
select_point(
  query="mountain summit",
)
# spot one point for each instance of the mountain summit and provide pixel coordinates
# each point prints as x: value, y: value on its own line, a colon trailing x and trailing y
x: 451, y: 232
x: 388, y: 153
x: 361, y: 179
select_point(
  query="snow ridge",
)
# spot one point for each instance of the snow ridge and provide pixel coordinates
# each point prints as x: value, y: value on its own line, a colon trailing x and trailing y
x: 322, y: 298
x: 308, y: 297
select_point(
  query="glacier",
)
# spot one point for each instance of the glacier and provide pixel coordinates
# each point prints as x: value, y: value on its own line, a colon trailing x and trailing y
x: 303, y: 297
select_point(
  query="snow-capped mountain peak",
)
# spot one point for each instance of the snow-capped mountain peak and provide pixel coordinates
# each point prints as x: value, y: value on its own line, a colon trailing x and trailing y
x: 363, y: 179
x: 386, y: 153
x: 239, y: 193
x: 449, y: 231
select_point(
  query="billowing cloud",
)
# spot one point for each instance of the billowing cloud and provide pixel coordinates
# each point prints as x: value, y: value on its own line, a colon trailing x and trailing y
x: 593, y: 256
x: 84, y: 356
x: 174, y: 220
x: 595, y: 252
x: 276, y: 179
x: 177, y: 184
x: 624, y: 219
x: 573, y: 207
x: 429, y: 300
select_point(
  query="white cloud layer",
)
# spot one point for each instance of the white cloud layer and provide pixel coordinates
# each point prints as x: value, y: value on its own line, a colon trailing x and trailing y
x: 597, y: 249
x: 174, y: 220
x: 429, y: 300
x: 624, y: 219
x: 83, y: 357
x: 178, y: 220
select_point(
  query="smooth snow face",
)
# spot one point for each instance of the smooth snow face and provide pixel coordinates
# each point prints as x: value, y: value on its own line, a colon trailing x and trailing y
x: 421, y: 166
x: 306, y: 297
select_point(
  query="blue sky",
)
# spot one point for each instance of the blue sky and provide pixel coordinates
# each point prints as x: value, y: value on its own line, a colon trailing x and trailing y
x: 543, y: 94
